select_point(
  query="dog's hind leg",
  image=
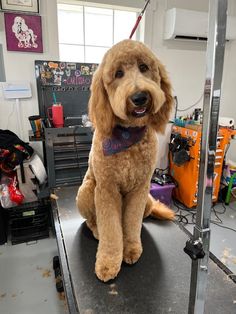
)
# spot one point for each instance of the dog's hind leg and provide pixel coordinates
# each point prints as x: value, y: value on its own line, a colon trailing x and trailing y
x: 85, y: 201
x: 158, y: 210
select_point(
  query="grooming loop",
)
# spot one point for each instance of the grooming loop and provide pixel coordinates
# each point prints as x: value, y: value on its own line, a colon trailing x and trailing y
x: 139, y: 19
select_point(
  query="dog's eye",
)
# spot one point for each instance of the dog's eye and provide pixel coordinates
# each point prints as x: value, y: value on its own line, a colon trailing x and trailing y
x: 119, y: 74
x: 143, y: 68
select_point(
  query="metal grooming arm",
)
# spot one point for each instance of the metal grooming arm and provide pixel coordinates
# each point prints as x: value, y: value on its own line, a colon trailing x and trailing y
x: 211, y: 106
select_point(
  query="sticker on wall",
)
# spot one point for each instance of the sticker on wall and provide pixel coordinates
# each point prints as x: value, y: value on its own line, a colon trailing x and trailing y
x: 58, y: 73
x: 53, y: 65
x: 65, y: 76
x: 68, y: 71
x: 62, y: 65
x: 23, y: 32
x: 71, y: 66
x: 85, y: 70
x: 46, y: 73
x: 93, y: 68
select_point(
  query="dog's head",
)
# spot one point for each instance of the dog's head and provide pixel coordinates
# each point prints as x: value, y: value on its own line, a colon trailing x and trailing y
x: 19, y: 25
x: 131, y: 88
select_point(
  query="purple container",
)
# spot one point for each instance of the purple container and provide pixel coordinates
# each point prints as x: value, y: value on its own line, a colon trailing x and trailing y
x: 162, y: 192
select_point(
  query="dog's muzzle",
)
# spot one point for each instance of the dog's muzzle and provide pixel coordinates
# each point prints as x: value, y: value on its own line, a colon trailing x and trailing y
x: 140, y: 101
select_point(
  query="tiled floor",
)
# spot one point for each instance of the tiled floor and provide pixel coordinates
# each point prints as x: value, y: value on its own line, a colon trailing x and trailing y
x: 27, y: 283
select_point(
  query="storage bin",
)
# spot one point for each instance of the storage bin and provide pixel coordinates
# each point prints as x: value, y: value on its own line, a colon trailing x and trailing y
x: 162, y: 193
x: 29, y: 221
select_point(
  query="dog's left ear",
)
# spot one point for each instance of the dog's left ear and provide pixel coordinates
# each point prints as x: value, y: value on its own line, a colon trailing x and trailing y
x: 161, y: 118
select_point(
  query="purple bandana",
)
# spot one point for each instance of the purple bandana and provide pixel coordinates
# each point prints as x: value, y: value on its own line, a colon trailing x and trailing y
x: 122, y: 138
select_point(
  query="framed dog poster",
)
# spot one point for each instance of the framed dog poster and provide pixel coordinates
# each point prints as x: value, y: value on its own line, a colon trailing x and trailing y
x: 23, y: 32
x: 31, y: 6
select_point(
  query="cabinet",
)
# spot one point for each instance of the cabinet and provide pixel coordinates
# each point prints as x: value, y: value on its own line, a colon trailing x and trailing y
x: 67, y: 151
x: 186, y: 175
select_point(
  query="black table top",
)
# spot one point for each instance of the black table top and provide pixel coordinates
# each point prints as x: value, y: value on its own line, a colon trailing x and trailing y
x: 158, y: 283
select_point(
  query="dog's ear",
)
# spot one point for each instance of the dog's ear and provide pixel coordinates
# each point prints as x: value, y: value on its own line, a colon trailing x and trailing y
x: 100, y: 112
x: 161, y: 118
x: 14, y: 27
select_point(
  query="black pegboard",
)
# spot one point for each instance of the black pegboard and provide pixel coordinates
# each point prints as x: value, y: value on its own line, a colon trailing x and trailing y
x: 69, y: 81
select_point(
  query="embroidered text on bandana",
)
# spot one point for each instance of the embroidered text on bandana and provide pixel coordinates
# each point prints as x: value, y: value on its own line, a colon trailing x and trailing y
x: 122, y: 138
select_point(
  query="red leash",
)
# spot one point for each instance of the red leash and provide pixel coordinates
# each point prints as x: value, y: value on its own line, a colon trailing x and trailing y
x: 139, y: 19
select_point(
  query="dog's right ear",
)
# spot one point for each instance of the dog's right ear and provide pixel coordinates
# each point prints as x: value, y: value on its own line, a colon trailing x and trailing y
x: 161, y: 118
x: 100, y: 112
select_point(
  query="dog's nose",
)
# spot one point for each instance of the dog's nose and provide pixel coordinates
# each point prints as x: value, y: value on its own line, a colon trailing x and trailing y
x: 139, y: 98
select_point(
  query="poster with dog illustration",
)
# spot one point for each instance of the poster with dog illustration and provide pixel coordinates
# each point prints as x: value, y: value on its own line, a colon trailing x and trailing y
x: 23, y: 32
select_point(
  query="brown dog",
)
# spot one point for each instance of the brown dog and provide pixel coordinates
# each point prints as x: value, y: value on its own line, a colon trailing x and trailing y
x: 130, y: 102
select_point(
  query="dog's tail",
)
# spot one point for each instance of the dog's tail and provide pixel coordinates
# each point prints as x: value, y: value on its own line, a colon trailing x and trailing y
x: 158, y: 210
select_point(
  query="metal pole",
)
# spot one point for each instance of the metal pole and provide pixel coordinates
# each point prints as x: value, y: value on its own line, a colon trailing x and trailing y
x: 211, y: 106
x: 19, y: 121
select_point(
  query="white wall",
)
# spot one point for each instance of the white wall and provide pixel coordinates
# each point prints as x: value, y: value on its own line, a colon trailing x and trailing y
x: 20, y: 66
x: 184, y: 61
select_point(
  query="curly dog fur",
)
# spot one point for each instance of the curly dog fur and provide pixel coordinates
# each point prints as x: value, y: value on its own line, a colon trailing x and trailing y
x: 114, y: 196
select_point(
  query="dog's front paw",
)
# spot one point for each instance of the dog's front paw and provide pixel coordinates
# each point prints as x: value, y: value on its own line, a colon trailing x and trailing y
x: 107, y: 267
x: 132, y: 252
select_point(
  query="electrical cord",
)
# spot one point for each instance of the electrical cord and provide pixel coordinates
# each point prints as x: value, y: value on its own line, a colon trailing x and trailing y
x: 185, y: 109
x: 184, y: 218
x: 225, y: 227
x: 216, y: 215
x: 219, y: 212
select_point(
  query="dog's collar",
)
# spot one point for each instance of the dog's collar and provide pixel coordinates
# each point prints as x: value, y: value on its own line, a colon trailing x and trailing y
x: 122, y: 138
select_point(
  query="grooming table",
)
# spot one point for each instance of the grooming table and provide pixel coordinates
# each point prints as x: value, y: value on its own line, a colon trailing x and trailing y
x: 158, y: 283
